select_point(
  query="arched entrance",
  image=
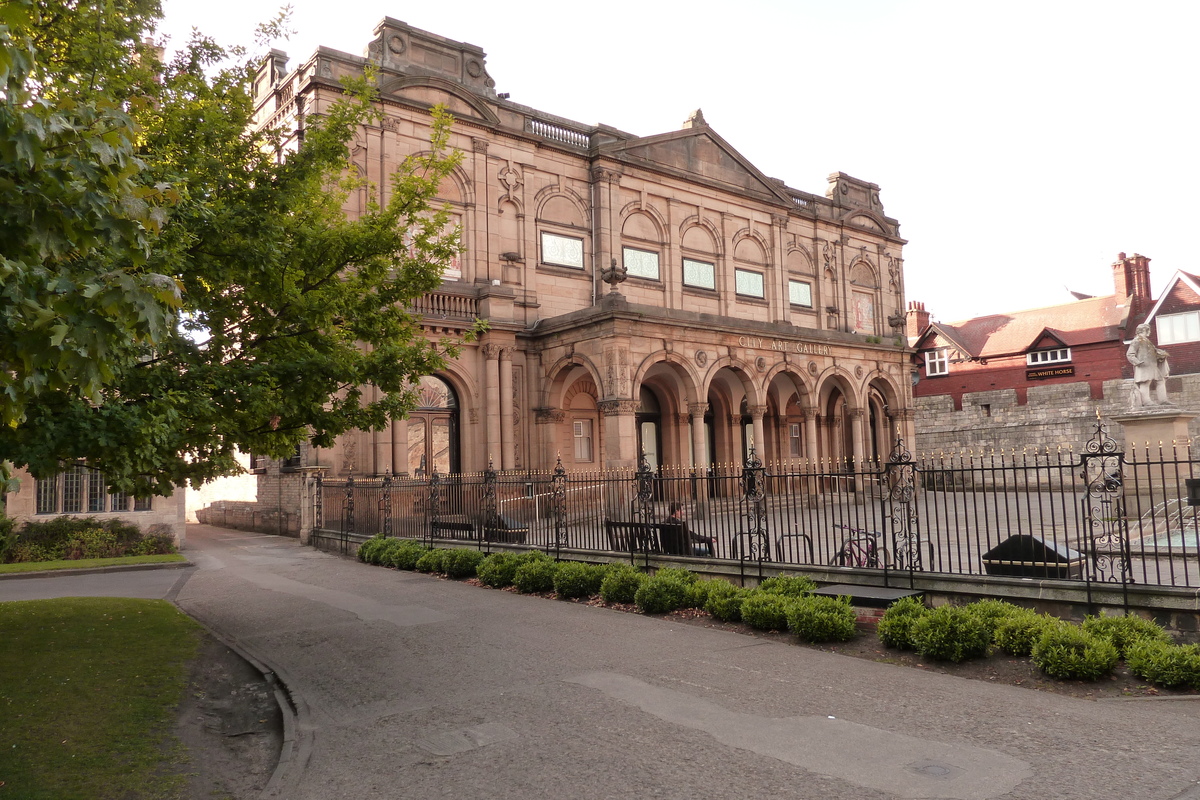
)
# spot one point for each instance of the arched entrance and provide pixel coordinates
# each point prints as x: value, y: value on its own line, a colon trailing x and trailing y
x: 649, y: 427
x: 433, y: 429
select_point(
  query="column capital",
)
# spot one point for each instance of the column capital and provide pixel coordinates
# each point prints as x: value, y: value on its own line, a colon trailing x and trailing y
x: 617, y: 408
x: 545, y: 415
x: 490, y: 351
x: 506, y: 353
x: 479, y: 145
x: 697, y: 409
x: 758, y: 412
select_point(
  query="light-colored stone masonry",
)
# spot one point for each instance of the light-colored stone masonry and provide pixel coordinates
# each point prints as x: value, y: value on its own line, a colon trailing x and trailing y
x: 1055, y: 416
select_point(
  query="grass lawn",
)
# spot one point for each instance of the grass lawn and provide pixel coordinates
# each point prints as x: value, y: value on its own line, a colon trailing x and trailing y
x: 88, y: 690
x: 84, y: 563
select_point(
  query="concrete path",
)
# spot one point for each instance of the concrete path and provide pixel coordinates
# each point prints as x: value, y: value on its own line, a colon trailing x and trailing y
x: 409, y: 686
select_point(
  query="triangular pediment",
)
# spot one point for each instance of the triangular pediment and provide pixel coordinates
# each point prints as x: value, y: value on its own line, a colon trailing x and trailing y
x: 1046, y: 340
x: 698, y: 153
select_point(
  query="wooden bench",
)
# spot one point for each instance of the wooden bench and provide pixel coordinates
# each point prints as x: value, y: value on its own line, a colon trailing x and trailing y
x: 454, y: 530
x: 633, y: 536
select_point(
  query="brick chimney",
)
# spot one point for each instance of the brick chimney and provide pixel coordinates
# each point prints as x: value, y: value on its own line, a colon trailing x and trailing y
x: 917, y: 318
x: 1131, y: 278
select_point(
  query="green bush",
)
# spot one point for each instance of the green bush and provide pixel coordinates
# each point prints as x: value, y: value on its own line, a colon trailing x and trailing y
x: 1017, y: 633
x: 725, y: 601
x: 661, y: 594
x: 895, y: 627
x: 534, y: 574
x: 684, y: 576
x: 576, y: 579
x: 70, y: 537
x: 497, y: 570
x: 432, y: 561
x: 531, y: 555
x: 92, y: 543
x: 993, y: 611
x: 1124, y: 631
x: 155, y: 544
x: 1165, y: 664
x: 822, y: 619
x: 788, y: 586
x: 1069, y: 652
x: 367, y: 550
x: 697, y: 593
x: 620, y: 583
x: 385, y: 552
x: 766, y: 611
x: 7, y: 536
x: 406, y: 554
x: 459, y: 564
x: 951, y: 633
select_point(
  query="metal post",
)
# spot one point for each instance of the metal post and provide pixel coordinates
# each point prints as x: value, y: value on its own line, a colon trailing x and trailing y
x: 1105, y: 528
x: 558, y: 504
x: 491, y: 516
x: 349, y: 526
x: 753, y: 543
x: 901, y: 513
x: 434, y: 508
x: 385, y: 504
x: 643, y: 507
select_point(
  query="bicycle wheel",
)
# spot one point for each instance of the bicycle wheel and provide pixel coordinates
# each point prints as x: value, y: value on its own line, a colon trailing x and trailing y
x: 840, y: 558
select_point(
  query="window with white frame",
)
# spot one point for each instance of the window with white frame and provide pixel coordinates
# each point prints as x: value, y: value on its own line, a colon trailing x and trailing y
x: 1055, y: 356
x: 800, y: 293
x: 794, y: 438
x: 748, y: 283
x: 1176, y: 328
x: 583, y: 440
x: 937, y: 362
x: 79, y: 488
x: 700, y: 274
x: 640, y: 263
x: 562, y: 251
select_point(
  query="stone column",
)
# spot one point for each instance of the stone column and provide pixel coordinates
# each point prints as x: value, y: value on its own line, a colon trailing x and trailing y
x: 549, y: 427
x: 760, y: 439
x: 507, y: 429
x: 857, y: 419
x: 699, y: 441
x: 737, y: 446
x: 618, y: 418
x: 478, y: 249
x: 491, y: 394
x: 400, y: 446
x: 812, y: 451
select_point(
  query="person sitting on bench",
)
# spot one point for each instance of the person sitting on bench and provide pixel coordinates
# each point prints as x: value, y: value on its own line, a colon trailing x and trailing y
x: 701, y: 545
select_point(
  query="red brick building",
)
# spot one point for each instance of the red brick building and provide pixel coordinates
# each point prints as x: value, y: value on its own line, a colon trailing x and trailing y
x: 1175, y: 323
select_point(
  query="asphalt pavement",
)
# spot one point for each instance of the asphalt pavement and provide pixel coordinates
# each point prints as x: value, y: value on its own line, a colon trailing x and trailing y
x: 409, y: 686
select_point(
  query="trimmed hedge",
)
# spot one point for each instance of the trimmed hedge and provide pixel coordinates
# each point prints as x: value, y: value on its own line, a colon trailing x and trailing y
x: 725, y: 601
x: 951, y: 633
x: 461, y: 564
x: 1017, y: 633
x: 535, y: 575
x: 766, y: 611
x: 895, y: 628
x: 620, y: 584
x: 1069, y: 652
x: 576, y: 579
x: 822, y: 619
x: 1169, y: 665
x: 662, y: 594
x: 1125, y: 631
x: 788, y: 586
x: 497, y: 570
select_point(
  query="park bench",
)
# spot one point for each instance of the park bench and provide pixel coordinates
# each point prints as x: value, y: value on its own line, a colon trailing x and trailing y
x: 634, y: 536
x: 454, y: 530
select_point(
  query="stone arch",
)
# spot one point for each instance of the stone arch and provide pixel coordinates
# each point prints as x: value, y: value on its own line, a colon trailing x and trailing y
x: 427, y: 91
x: 556, y: 382
x: 799, y: 260
x: 863, y: 273
x: 694, y: 225
x: 750, y: 247
x: 654, y: 229
x: 558, y: 199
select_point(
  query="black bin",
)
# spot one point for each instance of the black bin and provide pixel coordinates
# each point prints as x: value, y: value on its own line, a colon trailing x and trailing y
x: 1026, y: 556
x: 507, y: 530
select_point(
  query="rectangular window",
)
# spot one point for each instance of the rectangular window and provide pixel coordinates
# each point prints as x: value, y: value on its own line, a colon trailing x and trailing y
x: 562, y: 251
x: 141, y: 503
x: 120, y: 502
x: 747, y: 283
x: 73, y: 480
x: 794, y: 436
x: 95, y: 491
x: 800, y: 293
x: 1055, y: 356
x: 640, y: 263
x: 583, y: 440
x: 47, y: 496
x: 937, y: 362
x: 700, y: 274
x: 1175, y: 328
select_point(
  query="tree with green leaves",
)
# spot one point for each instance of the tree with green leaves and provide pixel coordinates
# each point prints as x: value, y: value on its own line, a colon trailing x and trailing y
x: 221, y: 299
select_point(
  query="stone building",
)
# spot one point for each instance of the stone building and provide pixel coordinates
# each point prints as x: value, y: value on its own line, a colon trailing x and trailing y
x: 643, y: 293
x: 1038, y: 378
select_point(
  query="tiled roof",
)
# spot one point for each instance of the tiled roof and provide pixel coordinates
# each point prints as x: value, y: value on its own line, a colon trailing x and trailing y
x: 1097, y: 319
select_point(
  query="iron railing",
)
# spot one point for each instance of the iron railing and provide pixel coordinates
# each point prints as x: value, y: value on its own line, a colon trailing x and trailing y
x: 1103, y: 515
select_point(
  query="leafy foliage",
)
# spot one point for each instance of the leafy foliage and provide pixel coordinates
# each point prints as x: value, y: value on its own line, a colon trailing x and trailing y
x: 822, y: 619
x: 952, y: 633
x: 535, y: 575
x: 1164, y: 664
x: 432, y: 561
x: 766, y: 611
x: 788, y: 585
x: 497, y: 570
x: 1123, y: 632
x: 1071, y: 653
x: 1017, y: 633
x: 73, y: 538
x: 459, y: 564
x: 725, y: 601
x: 621, y: 583
x: 662, y: 593
x: 576, y: 579
x: 173, y: 289
x: 895, y: 628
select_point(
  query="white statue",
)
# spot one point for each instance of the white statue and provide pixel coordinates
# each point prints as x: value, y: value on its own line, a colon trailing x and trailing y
x: 1150, y: 369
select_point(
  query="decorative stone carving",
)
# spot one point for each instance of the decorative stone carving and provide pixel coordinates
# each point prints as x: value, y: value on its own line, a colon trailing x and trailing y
x: 858, y: 371
x: 545, y: 415
x: 758, y: 412
x: 614, y: 275
x: 813, y: 369
x: 697, y: 409
x: 701, y: 358
x: 617, y: 408
x: 1150, y: 370
x: 479, y: 145
x: 760, y: 364
x: 490, y: 351
x: 396, y: 44
x: 506, y: 354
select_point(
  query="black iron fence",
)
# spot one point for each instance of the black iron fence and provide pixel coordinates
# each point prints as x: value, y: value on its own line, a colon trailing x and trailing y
x: 1097, y: 515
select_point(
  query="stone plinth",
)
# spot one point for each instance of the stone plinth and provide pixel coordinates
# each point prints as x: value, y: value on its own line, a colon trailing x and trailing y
x: 1154, y: 426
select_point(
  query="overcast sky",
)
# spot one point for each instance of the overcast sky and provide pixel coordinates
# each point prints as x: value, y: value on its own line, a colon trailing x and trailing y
x: 1021, y: 145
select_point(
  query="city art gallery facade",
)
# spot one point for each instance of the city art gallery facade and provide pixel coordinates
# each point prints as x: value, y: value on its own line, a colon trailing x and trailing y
x: 649, y: 294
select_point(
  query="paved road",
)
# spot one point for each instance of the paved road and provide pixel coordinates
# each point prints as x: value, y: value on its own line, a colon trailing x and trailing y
x: 411, y: 687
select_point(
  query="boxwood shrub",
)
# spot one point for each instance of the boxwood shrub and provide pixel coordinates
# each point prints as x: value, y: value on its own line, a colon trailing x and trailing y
x: 1124, y: 631
x: 576, y: 579
x: 1069, y: 652
x: 766, y: 611
x: 497, y: 570
x: 1170, y: 665
x: 461, y: 564
x: 432, y: 561
x: 993, y: 611
x: 534, y: 574
x: 368, y: 549
x: 620, y: 583
x: 662, y: 594
x: 1017, y: 633
x: 725, y: 601
x: 822, y: 619
x: 951, y: 633
x: 895, y: 627
x: 697, y: 593
x: 406, y: 555
x: 788, y: 585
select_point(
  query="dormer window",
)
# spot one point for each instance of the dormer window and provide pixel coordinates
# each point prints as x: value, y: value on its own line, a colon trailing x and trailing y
x: 937, y: 362
x: 1040, y: 357
x: 1175, y: 328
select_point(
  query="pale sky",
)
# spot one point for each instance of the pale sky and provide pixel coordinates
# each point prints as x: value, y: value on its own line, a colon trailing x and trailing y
x: 1021, y: 145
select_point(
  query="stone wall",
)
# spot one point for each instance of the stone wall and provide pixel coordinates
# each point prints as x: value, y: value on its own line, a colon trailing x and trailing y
x: 1053, y: 416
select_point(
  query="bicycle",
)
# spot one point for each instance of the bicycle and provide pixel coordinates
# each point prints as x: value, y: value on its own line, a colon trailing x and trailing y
x: 862, y: 549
